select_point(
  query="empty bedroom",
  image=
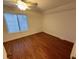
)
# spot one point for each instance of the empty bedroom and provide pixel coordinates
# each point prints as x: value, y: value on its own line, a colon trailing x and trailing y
x: 39, y: 29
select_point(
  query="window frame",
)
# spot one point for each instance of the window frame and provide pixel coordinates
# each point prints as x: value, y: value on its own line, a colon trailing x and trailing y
x: 15, y: 14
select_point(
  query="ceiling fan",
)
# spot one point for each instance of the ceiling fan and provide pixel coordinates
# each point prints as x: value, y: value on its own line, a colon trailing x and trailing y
x: 21, y: 4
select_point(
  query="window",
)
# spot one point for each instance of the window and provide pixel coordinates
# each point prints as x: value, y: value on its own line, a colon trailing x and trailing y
x: 22, y: 23
x: 16, y: 23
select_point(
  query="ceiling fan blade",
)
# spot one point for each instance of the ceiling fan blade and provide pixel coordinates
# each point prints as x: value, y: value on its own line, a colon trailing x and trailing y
x: 31, y: 4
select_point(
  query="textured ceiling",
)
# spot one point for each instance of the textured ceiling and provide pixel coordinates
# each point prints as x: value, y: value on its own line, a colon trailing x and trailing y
x: 43, y: 4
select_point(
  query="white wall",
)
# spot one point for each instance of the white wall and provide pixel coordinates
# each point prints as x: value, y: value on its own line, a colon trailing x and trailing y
x: 61, y: 22
x: 5, y: 54
x: 35, y: 25
x: 73, y: 53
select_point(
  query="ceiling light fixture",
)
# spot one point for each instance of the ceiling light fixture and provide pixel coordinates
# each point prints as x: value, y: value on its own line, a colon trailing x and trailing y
x: 21, y: 5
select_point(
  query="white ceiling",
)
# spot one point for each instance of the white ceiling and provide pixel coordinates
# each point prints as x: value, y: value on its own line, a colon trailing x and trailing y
x: 44, y: 4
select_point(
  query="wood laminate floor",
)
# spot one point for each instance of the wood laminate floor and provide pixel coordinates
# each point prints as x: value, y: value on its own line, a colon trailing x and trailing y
x: 38, y: 46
